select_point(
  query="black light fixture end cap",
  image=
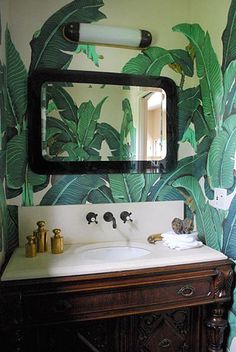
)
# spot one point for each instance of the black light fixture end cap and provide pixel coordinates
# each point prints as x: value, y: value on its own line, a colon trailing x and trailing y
x: 71, y: 31
x: 146, y: 39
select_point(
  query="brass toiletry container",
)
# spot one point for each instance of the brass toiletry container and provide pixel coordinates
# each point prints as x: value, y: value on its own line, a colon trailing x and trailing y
x: 41, y: 235
x: 57, y: 242
x: 30, y: 247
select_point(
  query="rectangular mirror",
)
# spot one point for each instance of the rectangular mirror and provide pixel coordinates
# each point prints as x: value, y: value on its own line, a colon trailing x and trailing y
x: 99, y: 122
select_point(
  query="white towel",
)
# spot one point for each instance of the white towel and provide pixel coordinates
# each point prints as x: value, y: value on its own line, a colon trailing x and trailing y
x: 181, y: 241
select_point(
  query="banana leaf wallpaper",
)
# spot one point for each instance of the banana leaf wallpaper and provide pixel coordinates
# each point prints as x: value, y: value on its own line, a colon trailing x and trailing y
x: 206, y: 120
x: 3, y: 205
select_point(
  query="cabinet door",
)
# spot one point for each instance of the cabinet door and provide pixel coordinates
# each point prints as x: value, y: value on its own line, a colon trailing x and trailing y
x: 88, y: 336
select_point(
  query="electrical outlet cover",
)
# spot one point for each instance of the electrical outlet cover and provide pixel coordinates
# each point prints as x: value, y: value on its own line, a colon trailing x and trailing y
x: 220, y: 199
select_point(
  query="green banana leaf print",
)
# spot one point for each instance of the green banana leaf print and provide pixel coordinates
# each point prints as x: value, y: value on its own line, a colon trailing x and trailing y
x: 183, y: 62
x: 19, y: 179
x: 0, y: 28
x: 90, y: 52
x: 188, y: 103
x: 229, y: 228
x: 220, y: 165
x: 3, y: 119
x: 3, y: 110
x: 16, y: 160
x: 207, y: 189
x: 18, y: 175
x: 101, y: 195
x: 126, y: 188
x: 152, y: 60
x: 3, y: 140
x: 149, y: 181
x: 229, y: 90
x: 11, y: 240
x: 200, y: 125
x: 190, y: 166
x: 228, y: 38
x: 49, y: 42
x: 208, y: 71
x: 74, y: 189
x: 16, y: 86
x: 189, y: 136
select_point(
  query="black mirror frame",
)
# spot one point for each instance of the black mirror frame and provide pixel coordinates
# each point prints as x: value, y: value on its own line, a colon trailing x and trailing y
x: 40, y: 165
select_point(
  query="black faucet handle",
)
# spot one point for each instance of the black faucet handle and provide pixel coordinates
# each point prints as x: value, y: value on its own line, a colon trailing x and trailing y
x: 108, y: 216
x: 91, y: 217
x: 125, y: 216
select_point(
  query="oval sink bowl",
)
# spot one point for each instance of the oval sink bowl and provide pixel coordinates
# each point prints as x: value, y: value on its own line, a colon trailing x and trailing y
x: 112, y: 252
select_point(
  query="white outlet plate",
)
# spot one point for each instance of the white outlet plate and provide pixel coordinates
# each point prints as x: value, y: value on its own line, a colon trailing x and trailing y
x: 220, y: 200
x: 220, y: 196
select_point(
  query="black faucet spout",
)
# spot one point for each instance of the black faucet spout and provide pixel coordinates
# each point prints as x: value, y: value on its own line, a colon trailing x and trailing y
x: 114, y: 223
x: 110, y: 217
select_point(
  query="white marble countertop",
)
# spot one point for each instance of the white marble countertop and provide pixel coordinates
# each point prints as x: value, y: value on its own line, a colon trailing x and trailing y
x: 73, y: 262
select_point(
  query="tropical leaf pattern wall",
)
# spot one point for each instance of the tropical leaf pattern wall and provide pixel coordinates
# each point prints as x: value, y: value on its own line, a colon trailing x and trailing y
x: 3, y: 211
x: 206, y: 120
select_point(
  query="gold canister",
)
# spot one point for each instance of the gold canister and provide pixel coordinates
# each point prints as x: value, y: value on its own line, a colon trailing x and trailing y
x: 30, y: 247
x: 57, y: 242
x: 41, y: 235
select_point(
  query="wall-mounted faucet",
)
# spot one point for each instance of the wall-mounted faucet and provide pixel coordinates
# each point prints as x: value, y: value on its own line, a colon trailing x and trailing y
x: 91, y: 217
x: 125, y: 216
x: 109, y: 217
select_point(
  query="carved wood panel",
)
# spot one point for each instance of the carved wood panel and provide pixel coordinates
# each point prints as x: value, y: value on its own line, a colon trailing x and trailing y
x: 223, y: 281
x: 166, y: 331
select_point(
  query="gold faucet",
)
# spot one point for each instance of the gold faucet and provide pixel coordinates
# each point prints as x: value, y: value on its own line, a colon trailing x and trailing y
x: 154, y: 238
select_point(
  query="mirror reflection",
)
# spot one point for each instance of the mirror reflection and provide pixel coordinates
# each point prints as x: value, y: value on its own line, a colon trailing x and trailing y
x: 102, y: 122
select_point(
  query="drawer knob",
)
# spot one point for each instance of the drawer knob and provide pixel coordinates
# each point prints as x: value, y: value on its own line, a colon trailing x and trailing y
x: 186, y: 291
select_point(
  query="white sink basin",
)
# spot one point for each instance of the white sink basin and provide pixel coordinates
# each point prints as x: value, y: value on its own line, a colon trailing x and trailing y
x: 108, y: 252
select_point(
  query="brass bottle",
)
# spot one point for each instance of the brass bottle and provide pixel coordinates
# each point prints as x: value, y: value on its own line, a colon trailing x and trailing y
x: 41, y: 235
x: 57, y: 242
x: 30, y: 247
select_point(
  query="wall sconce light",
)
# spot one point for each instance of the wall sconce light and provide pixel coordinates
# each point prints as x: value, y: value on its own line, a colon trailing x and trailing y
x: 107, y: 35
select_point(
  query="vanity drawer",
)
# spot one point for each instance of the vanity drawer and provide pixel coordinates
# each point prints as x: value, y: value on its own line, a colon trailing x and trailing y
x: 118, y: 301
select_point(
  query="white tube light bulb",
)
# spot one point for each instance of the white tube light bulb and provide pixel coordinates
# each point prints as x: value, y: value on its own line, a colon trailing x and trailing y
x: 107, y: 35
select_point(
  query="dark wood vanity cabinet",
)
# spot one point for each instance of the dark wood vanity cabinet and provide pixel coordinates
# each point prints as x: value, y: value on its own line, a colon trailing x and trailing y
x: 177, y: 308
